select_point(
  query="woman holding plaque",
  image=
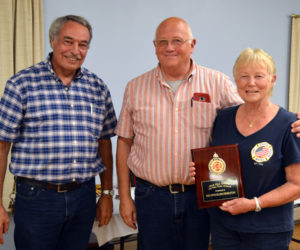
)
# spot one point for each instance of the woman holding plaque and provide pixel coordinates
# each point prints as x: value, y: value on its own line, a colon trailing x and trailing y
x: 270, y: 160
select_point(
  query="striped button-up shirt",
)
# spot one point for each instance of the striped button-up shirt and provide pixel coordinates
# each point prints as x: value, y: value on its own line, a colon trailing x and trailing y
x: 55, y: 129
x: 165, y: 125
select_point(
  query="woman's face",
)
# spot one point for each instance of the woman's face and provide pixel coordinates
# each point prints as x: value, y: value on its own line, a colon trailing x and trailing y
x: 254, y: 83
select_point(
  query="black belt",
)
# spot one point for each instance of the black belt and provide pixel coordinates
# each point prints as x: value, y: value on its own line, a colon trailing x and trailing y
x: 173, y: 188
x: 47, y: 185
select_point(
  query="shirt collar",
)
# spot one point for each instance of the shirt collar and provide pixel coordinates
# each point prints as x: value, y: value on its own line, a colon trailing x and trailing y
x: 160, y: 76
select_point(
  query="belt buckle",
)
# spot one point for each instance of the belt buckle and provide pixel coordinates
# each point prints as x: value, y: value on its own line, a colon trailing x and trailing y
x: 176, y: 192
x: 59, y: 190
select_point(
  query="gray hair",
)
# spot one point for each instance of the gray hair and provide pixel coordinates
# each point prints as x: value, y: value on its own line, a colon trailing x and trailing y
x: 60, y: 21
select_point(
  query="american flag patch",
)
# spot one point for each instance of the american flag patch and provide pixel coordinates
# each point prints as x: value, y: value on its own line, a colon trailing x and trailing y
x: 262, y: 152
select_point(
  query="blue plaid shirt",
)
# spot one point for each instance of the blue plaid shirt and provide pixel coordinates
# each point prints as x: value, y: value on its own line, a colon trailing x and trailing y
x: 55, y: 129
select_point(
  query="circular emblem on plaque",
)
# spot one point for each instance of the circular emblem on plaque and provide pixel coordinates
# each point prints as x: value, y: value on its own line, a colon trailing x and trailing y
x: 262, y: 152
x: 216, y: 165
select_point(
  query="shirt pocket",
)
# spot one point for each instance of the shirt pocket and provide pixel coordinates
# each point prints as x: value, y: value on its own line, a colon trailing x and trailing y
x: 203, y: 114
x: 96, y: 118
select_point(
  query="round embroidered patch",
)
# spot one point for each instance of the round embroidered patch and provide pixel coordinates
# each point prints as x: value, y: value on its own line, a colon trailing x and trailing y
x: 262, y: 152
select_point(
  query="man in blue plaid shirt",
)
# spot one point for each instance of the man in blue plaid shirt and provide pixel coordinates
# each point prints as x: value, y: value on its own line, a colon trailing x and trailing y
x: 57, y: 117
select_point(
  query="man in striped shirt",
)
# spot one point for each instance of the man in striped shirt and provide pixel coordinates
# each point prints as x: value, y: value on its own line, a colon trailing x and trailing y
x: 166, y: 112
x: 59, y: 118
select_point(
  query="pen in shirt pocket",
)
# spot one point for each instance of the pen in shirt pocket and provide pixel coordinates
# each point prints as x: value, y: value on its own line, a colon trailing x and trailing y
x: 91, y: 108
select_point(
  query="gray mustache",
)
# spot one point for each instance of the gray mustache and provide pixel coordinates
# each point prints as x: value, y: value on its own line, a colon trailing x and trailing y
x: 77, y: 57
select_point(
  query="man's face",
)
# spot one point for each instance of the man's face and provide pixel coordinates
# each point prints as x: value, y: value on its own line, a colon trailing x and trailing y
x: 173, y: 55
x: 70, y: 48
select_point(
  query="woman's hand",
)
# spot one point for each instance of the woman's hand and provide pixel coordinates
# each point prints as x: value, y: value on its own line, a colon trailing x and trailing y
x: 238, y: 206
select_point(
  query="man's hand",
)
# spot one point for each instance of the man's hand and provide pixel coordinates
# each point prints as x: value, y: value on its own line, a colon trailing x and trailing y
x: 192, y: 172
x: 296, y: 126
x: 104, y: 210
x: 4, y: 223
x: 128, y: 212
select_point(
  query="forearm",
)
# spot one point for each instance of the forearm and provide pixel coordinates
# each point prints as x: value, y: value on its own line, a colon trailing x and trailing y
x: 288, y: 192
x: 123, y: 150
x: 4, y: 149
x: 105, y: 151
x: 285, y: 193
x: 2, y: 176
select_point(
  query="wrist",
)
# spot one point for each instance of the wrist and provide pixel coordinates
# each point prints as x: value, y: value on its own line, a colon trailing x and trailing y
x: 107, y: 192
x: 257, y: 205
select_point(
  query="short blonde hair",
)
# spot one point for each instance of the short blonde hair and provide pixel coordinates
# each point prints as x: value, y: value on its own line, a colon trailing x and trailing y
x: 255, y: 56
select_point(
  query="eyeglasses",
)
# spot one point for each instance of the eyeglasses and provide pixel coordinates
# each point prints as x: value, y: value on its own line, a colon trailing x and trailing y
x: 176, y: 43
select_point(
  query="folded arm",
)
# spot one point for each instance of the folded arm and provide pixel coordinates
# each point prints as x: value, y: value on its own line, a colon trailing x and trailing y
x: 283, y: 194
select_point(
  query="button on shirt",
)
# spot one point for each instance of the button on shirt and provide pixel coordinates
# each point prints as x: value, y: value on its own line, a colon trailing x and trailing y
x: 165, y: 125
x: 55, y: 129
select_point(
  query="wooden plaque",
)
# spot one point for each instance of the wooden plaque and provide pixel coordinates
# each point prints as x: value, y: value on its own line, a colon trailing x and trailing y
x: 218, y: 175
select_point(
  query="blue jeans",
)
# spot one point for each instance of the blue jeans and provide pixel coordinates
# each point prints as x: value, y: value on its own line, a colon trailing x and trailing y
x: 226, y: 239
x: 48, y: 220
x: 170, y: 221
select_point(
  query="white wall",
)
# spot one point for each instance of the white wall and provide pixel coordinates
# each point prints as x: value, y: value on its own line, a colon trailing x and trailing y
x: 123, y: 31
